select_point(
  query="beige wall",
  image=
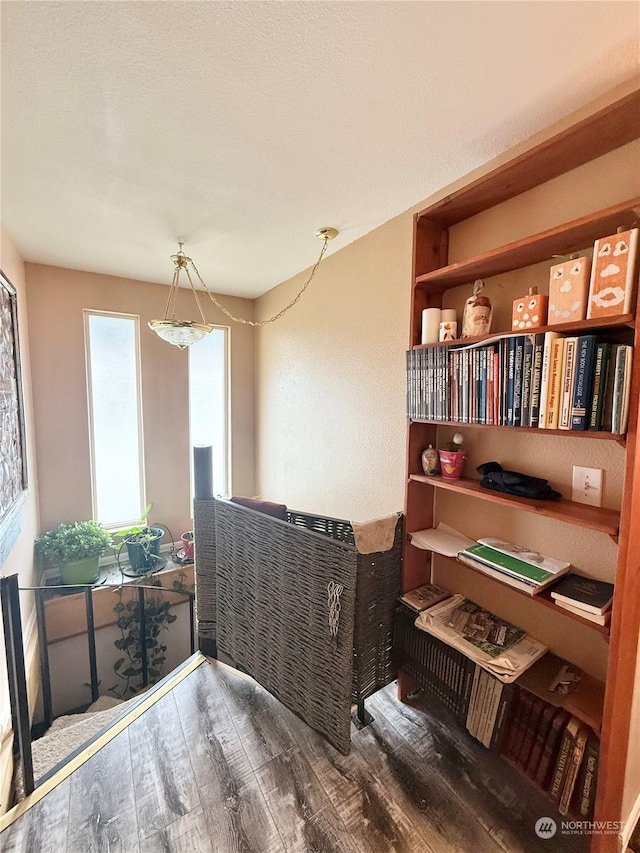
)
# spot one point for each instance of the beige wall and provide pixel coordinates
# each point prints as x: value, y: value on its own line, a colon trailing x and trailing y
x: 56, y: 299
x: 20, y: 560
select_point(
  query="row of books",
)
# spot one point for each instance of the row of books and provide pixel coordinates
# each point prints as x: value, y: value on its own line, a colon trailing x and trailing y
x: 555, y: 749
x: 552, y: 747
x: 544, y: 380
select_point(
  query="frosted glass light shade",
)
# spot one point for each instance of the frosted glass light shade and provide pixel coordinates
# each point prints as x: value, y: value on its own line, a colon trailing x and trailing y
x: 180, y: 333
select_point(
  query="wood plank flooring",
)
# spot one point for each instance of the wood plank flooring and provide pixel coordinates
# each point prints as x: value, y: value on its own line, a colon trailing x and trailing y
x: 219, y: 766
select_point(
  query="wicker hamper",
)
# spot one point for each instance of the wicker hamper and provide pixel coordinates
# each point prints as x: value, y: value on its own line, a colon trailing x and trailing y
x: 295, y: 605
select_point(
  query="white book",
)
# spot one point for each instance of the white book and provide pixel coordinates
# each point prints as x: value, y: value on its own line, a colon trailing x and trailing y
x: 603, y: 619
x: 549, y: 337
x: 471, y: 712
x: 492, y: 712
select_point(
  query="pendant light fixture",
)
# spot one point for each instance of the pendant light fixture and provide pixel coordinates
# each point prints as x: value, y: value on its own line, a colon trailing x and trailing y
x: 183, y: 333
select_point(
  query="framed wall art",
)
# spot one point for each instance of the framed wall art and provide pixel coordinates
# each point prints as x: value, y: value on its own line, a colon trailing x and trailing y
x: 13, y: 463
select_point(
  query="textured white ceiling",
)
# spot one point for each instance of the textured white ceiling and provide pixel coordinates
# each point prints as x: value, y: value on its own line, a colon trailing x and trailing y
x: 241, y: 127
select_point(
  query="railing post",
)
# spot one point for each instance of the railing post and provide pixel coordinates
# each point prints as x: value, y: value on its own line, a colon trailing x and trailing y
x: 12, y: 624
x: 143, y: 638
x: 43, y: 648
x: 192, y: 623
x: 91, y: 640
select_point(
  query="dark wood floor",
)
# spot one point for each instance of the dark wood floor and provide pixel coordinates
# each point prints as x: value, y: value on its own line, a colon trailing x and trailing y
x: 219, y: 765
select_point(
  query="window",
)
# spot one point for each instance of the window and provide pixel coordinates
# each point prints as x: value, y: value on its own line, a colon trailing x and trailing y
x: 208, y: 402
x: 115, y: 417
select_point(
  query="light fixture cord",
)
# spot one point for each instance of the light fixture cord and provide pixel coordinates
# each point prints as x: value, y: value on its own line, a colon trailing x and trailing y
x: 275, y: 316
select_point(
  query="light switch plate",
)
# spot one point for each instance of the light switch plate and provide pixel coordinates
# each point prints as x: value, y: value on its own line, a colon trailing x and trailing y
x: 587, y: 485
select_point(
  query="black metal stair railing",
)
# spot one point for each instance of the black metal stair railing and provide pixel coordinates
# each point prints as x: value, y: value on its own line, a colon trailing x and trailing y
x: 14, y: 652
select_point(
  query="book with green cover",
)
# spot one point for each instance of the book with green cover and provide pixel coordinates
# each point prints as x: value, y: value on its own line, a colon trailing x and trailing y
x: 508, y: 563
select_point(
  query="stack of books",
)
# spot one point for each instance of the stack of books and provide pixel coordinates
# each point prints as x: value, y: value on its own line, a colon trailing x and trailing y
x: 585, y: 597
x: 518, y: 567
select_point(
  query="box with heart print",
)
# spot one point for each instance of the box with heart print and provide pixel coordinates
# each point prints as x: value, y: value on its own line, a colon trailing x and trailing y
x: 612, y: 274
x: 568, y: 290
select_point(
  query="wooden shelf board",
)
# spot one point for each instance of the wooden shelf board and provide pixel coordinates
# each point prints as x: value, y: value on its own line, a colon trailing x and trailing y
x: 572, y: 237
x: 595, y: 518
x: 602, y: 324
x: 572, y: 433
x: 587, y: 703
x: 611, y: 127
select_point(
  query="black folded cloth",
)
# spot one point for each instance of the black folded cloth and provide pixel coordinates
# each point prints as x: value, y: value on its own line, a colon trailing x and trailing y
x: 496, y: 478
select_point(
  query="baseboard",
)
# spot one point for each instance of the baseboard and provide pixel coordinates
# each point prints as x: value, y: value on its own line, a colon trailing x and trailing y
x: 32, y: 674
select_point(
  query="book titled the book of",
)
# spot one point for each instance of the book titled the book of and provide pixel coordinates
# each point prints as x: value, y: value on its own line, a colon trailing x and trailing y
x: 583, y: 384
x: 588, y: 594
x: 425, y: 596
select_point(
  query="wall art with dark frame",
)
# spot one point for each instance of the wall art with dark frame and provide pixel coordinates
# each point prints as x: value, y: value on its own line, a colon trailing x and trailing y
x: 13, y: 462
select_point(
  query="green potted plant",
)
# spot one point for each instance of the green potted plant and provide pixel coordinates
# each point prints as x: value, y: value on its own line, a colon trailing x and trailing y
x: 76, y: 549
x: 143, y: 544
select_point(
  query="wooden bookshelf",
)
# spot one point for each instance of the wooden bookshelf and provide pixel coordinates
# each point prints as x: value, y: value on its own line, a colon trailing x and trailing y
x: 565, y: 239
x: 607, y: 709
x: 593, y: 517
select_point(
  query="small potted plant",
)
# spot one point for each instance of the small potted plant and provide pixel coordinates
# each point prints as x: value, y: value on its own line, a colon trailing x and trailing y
x: 76, y: 549
x: 143, y: 544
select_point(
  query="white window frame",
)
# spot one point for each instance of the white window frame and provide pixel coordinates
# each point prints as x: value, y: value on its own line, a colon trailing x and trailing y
x: 227, y: 417
x: 89, y: 312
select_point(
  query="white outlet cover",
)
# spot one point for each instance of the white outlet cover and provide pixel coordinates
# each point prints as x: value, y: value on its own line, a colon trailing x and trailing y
x: 587, y: 485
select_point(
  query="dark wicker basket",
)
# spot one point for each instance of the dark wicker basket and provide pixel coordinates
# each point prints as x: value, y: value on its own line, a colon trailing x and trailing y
x: 268, y: 608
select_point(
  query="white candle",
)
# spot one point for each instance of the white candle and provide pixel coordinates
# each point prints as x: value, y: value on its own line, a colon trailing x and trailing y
x: 430, y: 325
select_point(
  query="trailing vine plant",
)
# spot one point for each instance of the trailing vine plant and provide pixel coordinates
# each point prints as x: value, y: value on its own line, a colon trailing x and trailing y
x: 158, y: 617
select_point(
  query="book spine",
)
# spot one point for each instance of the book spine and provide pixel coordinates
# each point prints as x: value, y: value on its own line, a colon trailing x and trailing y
x: 502, y: 718
x: 517, y: 380
x: 511, y: 379
x: 492, y: 712
x: 545, y: 372
x: 530, y: 733
x: 527, y: 369
x: 621, y: 390
x: 583, y: 382
x: 585, y: 797
x: 540, y: 739
x: 555, y: 382
x: 599, y: 385
x: 567, y: 377
x: 562, y: 764
x: 471, y: 713
x: 536, y: 380
x: 575, y: 761
x: 544, y: 773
